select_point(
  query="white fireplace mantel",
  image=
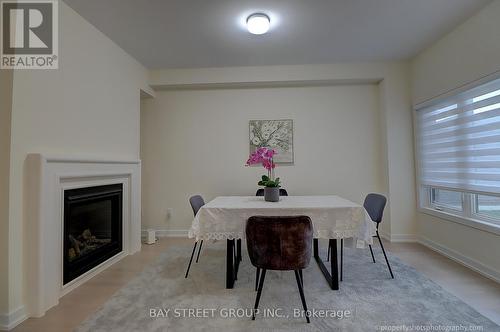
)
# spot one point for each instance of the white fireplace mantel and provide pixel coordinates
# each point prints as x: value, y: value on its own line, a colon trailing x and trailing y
x: 46, y: 179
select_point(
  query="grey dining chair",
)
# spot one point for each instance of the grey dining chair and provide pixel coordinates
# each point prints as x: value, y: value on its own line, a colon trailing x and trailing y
x: 196, y: 203
x: 374, y: 204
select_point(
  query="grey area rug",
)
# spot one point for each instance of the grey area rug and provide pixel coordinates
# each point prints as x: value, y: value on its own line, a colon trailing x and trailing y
x: 368, y: 299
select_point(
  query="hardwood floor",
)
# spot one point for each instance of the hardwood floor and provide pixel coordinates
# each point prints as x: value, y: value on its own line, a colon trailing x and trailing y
x: 479, y: 292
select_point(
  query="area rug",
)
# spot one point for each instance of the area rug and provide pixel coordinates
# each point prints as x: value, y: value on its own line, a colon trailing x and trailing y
x: 161, y: 299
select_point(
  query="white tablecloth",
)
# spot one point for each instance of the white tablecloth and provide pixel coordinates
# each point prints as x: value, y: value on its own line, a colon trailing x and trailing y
x: 333, y: 217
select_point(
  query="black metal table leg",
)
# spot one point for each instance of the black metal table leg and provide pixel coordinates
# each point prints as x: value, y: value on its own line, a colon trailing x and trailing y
x: 238, y: 250
x: 315, y: 248
x: 341, y: 258
x: 334, y: 264
x: 232, y: 262
x: 333, y: 278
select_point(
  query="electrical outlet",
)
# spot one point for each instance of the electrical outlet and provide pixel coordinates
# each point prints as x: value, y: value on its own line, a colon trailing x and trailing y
x: 169, y: 213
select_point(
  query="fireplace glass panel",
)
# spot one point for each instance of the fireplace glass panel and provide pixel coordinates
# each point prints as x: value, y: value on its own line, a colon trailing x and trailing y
x: 92, y: 227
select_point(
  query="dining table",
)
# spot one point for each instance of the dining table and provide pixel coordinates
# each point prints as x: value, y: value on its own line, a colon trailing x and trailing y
x: 333, y: 218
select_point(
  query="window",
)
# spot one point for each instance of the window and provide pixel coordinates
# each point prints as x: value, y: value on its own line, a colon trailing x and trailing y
x: 458, y: 149
x: 488, y: 207
x: 446, y: 199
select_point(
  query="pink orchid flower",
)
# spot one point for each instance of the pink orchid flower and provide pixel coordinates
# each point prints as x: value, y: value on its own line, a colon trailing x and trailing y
x: 262, y: 156
x: 265, y: 157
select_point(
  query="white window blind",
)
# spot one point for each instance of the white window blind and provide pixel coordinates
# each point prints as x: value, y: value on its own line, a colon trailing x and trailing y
x: 458, y: 141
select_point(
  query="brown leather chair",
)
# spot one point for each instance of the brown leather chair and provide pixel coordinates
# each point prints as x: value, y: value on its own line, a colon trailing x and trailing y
x: 279, y: 243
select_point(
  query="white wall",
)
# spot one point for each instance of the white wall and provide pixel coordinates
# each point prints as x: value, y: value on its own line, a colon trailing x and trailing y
x: 466, y: 54
x: 398, y: 151
x: 90, y: 106
x: 395, y: 155
x: 469, y: 52
x: 5, y: 121
x: 196, y: 141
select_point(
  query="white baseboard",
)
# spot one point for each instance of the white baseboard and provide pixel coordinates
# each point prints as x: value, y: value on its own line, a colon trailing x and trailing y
x: 462, y: 259
x: 407, y: 238
x: 169, y: 233
x: 10, y: 320
x: 172, y: 233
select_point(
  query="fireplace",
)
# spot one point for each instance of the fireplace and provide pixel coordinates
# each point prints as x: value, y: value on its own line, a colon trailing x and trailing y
x: 50, y: 183
x: 92, y: 228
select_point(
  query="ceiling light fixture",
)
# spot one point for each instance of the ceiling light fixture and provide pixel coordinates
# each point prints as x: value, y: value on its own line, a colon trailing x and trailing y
x: 258, y: 23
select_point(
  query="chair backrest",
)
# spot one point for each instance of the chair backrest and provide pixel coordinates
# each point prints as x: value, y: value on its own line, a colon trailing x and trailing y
x: 196, y: 202
x: 279, y: 243
x: 260, y: 192
x: 374, y: 204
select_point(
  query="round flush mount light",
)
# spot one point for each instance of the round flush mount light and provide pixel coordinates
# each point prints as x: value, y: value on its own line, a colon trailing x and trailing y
x: 258, y: 23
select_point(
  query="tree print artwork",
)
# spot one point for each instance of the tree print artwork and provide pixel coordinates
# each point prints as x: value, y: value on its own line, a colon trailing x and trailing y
x: 274, y: 134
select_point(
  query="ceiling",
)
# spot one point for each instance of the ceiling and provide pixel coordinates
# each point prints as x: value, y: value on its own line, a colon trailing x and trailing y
x: 211, y: 33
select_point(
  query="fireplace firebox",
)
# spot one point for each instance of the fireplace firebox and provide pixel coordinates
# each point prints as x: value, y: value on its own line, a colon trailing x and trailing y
x: 92, y: 228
